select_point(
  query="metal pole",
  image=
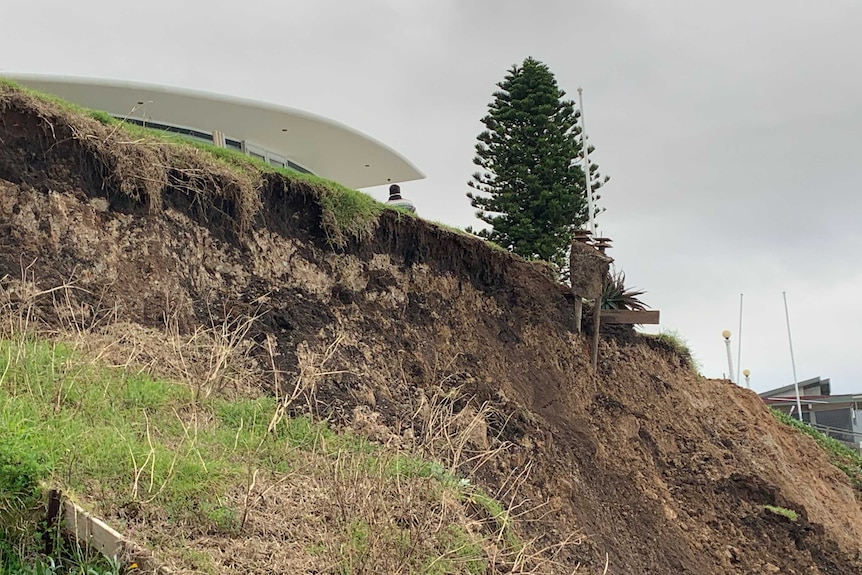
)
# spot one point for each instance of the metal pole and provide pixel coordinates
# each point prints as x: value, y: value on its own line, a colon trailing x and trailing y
x: 739, y: 343
x: 792, y: 361
x: 726, y: 335
x: 747, y: 374
x: 590, y: 207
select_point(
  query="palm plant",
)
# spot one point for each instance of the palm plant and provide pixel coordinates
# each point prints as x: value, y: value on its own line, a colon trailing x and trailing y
x: 615, y: 294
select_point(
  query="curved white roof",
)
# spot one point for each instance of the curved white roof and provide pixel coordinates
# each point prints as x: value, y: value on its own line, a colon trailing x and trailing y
x: 327, y: 148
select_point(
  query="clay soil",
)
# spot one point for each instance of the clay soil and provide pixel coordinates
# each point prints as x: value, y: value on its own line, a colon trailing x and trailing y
x: 661, y: 470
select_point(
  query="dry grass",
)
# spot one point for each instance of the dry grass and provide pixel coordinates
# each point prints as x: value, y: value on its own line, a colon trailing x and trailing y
x: 295, y: 496
x: 139, y: 165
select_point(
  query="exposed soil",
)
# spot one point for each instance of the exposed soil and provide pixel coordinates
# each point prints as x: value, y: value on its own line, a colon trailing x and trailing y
x: 663, y: 471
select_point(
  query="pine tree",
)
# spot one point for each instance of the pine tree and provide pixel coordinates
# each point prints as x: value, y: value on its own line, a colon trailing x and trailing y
x: 532, y: 190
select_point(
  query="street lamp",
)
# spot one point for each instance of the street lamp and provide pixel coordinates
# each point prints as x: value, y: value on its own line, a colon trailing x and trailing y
x: 746, y: 373
x: 726, y: 335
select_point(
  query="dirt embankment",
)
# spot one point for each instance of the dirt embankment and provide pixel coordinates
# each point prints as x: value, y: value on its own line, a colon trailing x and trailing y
x: 663, y: 471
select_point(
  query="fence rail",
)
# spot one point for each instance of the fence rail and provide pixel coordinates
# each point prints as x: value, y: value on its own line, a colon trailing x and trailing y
x: 840, y: 434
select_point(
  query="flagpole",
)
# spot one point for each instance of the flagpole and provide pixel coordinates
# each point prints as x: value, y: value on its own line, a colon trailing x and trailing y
x: 739, y: 343
x: 590, y: 207
x: 792, y: 361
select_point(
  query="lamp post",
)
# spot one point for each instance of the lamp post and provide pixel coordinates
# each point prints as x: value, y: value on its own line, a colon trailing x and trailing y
x: 726, y: 335
x: 746, y: 373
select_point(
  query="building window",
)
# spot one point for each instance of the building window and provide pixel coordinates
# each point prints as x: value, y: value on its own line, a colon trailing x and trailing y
x: 158, y: 126
x: 272, y: 158
x: 247, y: 148
x: 254, y: 151
x: 298, y: 168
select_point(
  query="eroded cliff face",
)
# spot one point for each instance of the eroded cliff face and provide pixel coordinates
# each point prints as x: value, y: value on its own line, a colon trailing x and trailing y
x: 663, y: 472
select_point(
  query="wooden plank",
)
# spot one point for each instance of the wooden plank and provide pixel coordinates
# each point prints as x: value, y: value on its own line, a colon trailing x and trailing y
x: 628, y: 316
x: 92, y: 531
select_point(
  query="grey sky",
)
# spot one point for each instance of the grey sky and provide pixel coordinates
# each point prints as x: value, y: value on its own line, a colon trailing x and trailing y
x: 730, y: 130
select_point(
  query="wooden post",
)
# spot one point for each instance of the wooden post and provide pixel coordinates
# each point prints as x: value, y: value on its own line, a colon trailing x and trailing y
x: 52, y: 522
x: 218, y: 139
x: 597, y: 327
x: 588, y: 268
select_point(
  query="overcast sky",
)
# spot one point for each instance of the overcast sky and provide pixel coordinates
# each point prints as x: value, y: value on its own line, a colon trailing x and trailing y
x: 731, y: 130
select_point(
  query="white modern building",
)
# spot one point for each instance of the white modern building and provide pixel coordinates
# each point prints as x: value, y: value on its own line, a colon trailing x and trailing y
x: 282, y: 136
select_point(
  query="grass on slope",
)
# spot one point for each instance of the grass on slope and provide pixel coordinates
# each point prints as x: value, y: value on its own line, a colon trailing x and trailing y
x: 68, y: 559
x: 841, y: 456
x: 347, y: 212
x: 676, y: 343
x: 175, y: 467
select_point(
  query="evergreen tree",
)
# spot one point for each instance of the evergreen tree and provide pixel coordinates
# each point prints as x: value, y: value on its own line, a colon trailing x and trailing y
x: 531, y: 187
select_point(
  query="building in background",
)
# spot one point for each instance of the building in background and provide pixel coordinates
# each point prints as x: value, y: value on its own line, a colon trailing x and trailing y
x: 835, y: 415
x: 281, y: 136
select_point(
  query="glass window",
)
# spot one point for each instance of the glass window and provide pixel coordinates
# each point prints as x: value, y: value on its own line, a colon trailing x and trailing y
x: 187, y: 132
x: 298, y: 168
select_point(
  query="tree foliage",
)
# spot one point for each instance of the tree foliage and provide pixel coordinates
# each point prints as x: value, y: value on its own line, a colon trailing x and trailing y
x: 530, y: 187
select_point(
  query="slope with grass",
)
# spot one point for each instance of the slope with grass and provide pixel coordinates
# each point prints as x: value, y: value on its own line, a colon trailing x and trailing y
x: 413, y: 344
x: 168, y: 462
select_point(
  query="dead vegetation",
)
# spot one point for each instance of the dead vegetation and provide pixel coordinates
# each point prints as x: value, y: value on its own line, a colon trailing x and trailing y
x: 303, y: 498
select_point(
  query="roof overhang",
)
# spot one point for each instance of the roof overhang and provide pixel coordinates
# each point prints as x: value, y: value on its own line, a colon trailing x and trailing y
x: 802, y: 386
x: 327, y: 148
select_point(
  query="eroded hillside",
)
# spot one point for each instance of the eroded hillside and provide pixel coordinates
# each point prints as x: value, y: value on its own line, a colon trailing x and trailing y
x: 662, y: 471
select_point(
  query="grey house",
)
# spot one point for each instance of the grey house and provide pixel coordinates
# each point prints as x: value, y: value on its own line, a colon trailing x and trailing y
x: 838, y: 416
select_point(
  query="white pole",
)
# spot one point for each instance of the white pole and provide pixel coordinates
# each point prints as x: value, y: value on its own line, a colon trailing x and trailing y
x: 739, y: 343
x: 590, y: 207
x: 726, y: 335
x: 792, y: 361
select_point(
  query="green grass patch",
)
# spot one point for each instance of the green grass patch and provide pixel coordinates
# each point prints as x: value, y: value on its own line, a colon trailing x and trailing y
x: 144, y: 440
x: 677, y: 344
x: 67, y: 559
x: 56, y: 101
x: 783, y: 511
x: 124, y: 440
x: 464, y: 553
x: 841, y: 456
x: 407, y: 466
